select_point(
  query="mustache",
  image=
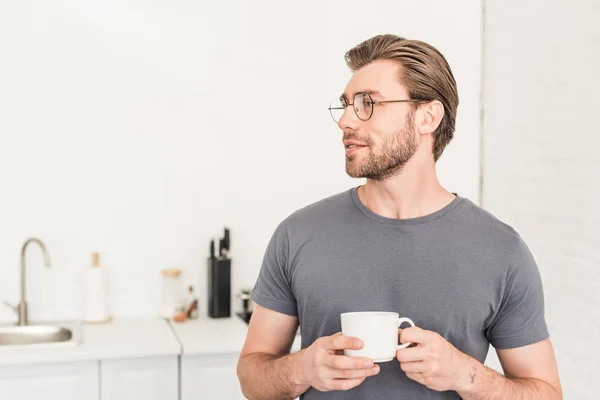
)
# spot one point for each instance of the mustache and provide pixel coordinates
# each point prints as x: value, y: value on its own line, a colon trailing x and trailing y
x: 353, y: 135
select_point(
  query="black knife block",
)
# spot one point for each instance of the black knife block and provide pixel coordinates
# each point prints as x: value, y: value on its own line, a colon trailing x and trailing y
x: 219, y: 287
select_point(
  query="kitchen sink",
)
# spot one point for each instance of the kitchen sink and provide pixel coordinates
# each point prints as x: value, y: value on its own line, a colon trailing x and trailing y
x: 33, y: 334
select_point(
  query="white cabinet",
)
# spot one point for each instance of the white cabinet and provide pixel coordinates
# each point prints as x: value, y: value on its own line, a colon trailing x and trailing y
x: 115, y: 379
x: 213, y: 376
x: 210, y: 377
x: 201, y: 372
x: 60, y: 381
x: 155, y: 378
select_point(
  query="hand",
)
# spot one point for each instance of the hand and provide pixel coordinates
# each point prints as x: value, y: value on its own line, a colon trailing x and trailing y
x: 434, y: 362
x: 325, y: 369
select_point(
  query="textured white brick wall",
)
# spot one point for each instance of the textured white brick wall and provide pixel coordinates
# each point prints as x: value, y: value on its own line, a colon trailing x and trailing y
x: 541, y: 162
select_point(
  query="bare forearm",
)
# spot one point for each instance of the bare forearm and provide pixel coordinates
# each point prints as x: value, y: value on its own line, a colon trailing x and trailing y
x: 486, y: 384
x: 265, y: 376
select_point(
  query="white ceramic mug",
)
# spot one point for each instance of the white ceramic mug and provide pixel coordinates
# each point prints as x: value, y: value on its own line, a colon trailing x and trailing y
x: 379, y: 332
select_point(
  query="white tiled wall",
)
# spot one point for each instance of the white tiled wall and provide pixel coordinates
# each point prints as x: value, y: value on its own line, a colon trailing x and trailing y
x: 140, y: 129
x: 541, y: 165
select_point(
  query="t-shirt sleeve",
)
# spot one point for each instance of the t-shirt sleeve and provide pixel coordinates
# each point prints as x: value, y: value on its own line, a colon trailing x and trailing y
x: 520, y: 319
x: 273, y: 288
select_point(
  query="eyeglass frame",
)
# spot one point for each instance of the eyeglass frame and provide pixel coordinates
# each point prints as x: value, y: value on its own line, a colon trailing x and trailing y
x: 373, y: 103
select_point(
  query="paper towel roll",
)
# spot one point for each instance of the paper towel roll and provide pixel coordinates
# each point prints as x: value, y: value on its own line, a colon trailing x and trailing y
x: 95, y: 299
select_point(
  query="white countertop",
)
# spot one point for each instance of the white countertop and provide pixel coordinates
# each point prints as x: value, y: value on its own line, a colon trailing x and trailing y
x: 211, y: 336
x: 121, y: 338
x: 136, y: 337
x: 206, y: 336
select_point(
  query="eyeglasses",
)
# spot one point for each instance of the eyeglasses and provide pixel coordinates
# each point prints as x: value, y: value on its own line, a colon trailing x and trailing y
x: 362, y: 104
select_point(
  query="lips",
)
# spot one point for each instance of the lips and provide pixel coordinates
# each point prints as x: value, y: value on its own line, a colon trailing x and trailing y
x: 353, y: 144
x: 353, y: 147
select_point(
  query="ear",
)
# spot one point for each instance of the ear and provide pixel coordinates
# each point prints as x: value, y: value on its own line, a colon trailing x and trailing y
x: 430, y: 116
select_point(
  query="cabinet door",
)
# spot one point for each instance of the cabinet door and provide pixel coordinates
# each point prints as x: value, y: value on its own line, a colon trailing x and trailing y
x: 210, y: 377
x: 140, y: 378
x: 54, y: 381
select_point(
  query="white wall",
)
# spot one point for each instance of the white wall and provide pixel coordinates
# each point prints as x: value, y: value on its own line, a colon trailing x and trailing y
x: 140, y: 129
x: 541, y: 166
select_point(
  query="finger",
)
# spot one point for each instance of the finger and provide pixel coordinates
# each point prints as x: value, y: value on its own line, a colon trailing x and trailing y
x: 400, y: 337
x: 353, y: 373
x: 340, y: 342
x: 412, y: 354
x: 347, y: 362
x: 413, y: 367
x: 415, y: 335
x: 346, y: 384
x: 338, y: 351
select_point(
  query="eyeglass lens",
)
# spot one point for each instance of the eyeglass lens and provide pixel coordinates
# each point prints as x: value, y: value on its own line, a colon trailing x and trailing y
x: 362, y: 105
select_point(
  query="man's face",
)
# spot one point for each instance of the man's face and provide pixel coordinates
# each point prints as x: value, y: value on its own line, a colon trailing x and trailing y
x: 379, y: 147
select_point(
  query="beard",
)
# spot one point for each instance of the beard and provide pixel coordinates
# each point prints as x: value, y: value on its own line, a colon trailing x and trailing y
x: 396, y: 150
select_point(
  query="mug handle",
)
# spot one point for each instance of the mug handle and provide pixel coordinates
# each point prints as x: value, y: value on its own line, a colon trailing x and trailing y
x: 400, y: 322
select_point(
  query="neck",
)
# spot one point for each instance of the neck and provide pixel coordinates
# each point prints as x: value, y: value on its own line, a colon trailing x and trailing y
x: 413, y: 192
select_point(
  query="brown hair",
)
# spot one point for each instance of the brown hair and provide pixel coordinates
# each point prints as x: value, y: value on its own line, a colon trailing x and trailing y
x: 424, y: 71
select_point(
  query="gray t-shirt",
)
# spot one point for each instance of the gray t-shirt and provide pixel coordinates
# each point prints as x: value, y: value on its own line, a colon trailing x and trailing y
x: 459, y: 272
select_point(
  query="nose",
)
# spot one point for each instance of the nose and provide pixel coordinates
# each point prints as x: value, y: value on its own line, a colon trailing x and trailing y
x: 349, y: 120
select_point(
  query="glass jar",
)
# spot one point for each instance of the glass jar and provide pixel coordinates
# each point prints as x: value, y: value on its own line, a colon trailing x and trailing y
x: 172, y: 292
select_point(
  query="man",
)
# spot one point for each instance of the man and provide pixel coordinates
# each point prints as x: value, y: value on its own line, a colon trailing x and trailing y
x: 401, y: 243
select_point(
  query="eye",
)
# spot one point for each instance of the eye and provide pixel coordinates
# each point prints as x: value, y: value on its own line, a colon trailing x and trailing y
x: 367, y: 103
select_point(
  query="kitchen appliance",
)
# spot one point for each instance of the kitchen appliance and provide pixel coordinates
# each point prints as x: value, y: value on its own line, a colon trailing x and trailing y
x: 245, y: 295
x: 247, y: 303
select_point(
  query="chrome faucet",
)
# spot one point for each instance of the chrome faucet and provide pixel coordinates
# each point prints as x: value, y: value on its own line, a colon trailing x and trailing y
x: 21, y: 308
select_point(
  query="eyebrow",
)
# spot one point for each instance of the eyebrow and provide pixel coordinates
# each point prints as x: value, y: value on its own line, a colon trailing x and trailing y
x: 372, y: 92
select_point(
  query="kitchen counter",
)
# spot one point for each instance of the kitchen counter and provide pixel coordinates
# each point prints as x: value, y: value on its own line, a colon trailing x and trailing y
x: 207, y: 336
x: 136, y: 337
x: 121, y: 338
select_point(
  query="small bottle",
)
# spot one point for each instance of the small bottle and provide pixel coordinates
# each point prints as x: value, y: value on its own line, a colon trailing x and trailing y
x: 172, y: 292
x: 192, y: 307
x: 179, y: 314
